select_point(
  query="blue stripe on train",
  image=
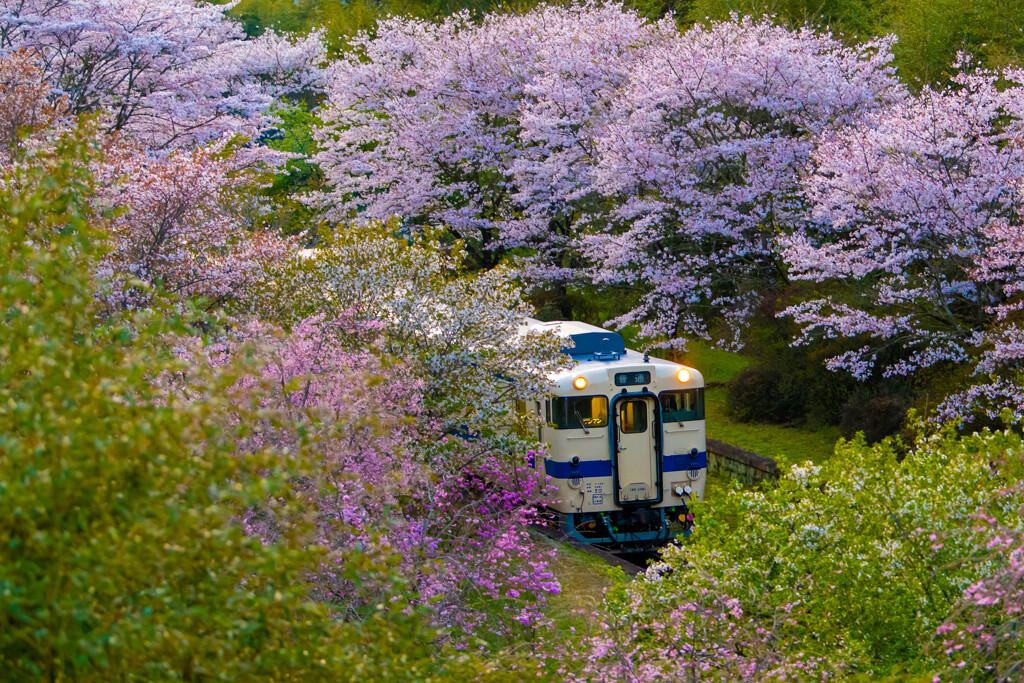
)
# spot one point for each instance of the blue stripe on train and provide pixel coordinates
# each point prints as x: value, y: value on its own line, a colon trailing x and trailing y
x: 603, y: 468
x: 586, y: 468
x: 685, y: 461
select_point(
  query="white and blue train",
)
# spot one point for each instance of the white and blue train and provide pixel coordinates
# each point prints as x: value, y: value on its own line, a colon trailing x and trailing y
x: 626, y: 441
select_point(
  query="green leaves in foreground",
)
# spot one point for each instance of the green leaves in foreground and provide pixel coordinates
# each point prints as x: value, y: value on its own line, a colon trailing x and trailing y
x: 120, y: 557
x: 858, y: 561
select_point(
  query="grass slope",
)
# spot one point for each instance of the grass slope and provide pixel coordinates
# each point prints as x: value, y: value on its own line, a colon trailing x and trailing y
x: 584, y: 578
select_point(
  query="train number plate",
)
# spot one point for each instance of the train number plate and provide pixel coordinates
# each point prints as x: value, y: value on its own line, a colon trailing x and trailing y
x: 636, y: 492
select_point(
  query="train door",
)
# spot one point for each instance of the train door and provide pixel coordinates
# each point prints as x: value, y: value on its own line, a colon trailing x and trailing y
x: 636, y: 456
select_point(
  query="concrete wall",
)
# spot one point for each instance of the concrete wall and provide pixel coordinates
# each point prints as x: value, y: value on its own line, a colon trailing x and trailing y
x: 729, y: 461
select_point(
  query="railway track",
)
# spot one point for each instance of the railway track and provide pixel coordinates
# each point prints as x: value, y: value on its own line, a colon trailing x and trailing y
x: 630, y: 568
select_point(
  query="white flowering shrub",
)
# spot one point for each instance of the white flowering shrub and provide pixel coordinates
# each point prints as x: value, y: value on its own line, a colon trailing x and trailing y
x: 862, y: 565
x: 457, y: 332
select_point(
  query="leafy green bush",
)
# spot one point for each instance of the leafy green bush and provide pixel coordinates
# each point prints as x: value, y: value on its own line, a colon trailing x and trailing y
x: 876, y: 416
x: 766, y: 394
x: 120, y: 554
x: 856, y: 563
x: 930, y: 32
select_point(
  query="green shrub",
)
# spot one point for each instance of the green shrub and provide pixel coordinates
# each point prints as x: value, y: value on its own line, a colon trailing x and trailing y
x: 767, y: 394
x: 857, y: 562
x: 876, y: 416
x: 120, y: 555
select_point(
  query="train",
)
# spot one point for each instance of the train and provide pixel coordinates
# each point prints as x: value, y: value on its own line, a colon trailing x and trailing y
x: 625, y: 435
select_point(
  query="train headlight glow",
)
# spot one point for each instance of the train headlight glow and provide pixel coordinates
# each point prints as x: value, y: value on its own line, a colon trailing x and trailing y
x: 580, y: 382
x: 683, y: 375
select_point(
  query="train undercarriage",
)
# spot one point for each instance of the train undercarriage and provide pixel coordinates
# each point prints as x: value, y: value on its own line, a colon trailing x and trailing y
x: 631, y: 530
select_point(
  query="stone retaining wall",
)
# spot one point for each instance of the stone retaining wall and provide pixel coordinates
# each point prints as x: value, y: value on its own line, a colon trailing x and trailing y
x: 729, y: 461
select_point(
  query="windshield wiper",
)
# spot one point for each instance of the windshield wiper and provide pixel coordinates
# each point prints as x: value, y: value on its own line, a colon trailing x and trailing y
x: 582, y: 424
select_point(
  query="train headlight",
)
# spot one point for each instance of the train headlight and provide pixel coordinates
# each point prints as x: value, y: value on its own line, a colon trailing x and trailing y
x: 683, y: 375
x: 580, y: 382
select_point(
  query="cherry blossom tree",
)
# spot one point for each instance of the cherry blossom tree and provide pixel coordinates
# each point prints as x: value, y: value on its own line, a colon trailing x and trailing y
x: 170, y: 72
x: 917, y: 215
x: 183, y: 217
x: 28, y: 109
x: 181, y: 226
x: 457, y: 330
x: 436, y: 122
x: 668, y: 161
x: 702, y: 160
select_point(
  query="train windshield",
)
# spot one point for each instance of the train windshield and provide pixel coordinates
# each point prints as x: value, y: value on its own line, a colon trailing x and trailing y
x: 682, y: 405
x: 577, y: 412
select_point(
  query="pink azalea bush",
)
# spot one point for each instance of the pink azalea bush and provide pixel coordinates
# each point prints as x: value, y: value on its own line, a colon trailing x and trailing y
x: 452, y: 542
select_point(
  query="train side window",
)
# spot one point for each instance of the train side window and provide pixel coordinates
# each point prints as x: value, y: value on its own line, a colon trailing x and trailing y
x: 577, y: 412
x: 633, y: 417
x: 682, y: 405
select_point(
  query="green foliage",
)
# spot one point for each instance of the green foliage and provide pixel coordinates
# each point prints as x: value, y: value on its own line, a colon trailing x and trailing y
x: 875, y: 416
x: 859, y: 560
x: 767, y: 394
x: 299, y: 177
x: 849, y: 17
x: 585, y: 579
x: 930, y: 32
x: 341, y: 19
x: 120, y: 555
x: 786, y: 444
x: 717, y: 366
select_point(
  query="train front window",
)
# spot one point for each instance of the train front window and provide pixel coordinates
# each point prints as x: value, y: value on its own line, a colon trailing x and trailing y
x: 682, y: 405
x: 577, y: 412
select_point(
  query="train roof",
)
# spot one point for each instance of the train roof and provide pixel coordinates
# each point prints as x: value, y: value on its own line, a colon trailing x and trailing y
x: 592, y: 346
x: 589, y: 342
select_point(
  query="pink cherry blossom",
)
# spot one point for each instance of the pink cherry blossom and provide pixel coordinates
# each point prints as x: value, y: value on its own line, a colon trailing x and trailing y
x: 618, y: 151
x: 919, y: 211
x: 180, y: 226
x: 170, y: 72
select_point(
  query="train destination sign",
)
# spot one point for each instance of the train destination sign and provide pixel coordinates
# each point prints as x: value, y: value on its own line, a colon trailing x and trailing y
x: 628, y: 379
